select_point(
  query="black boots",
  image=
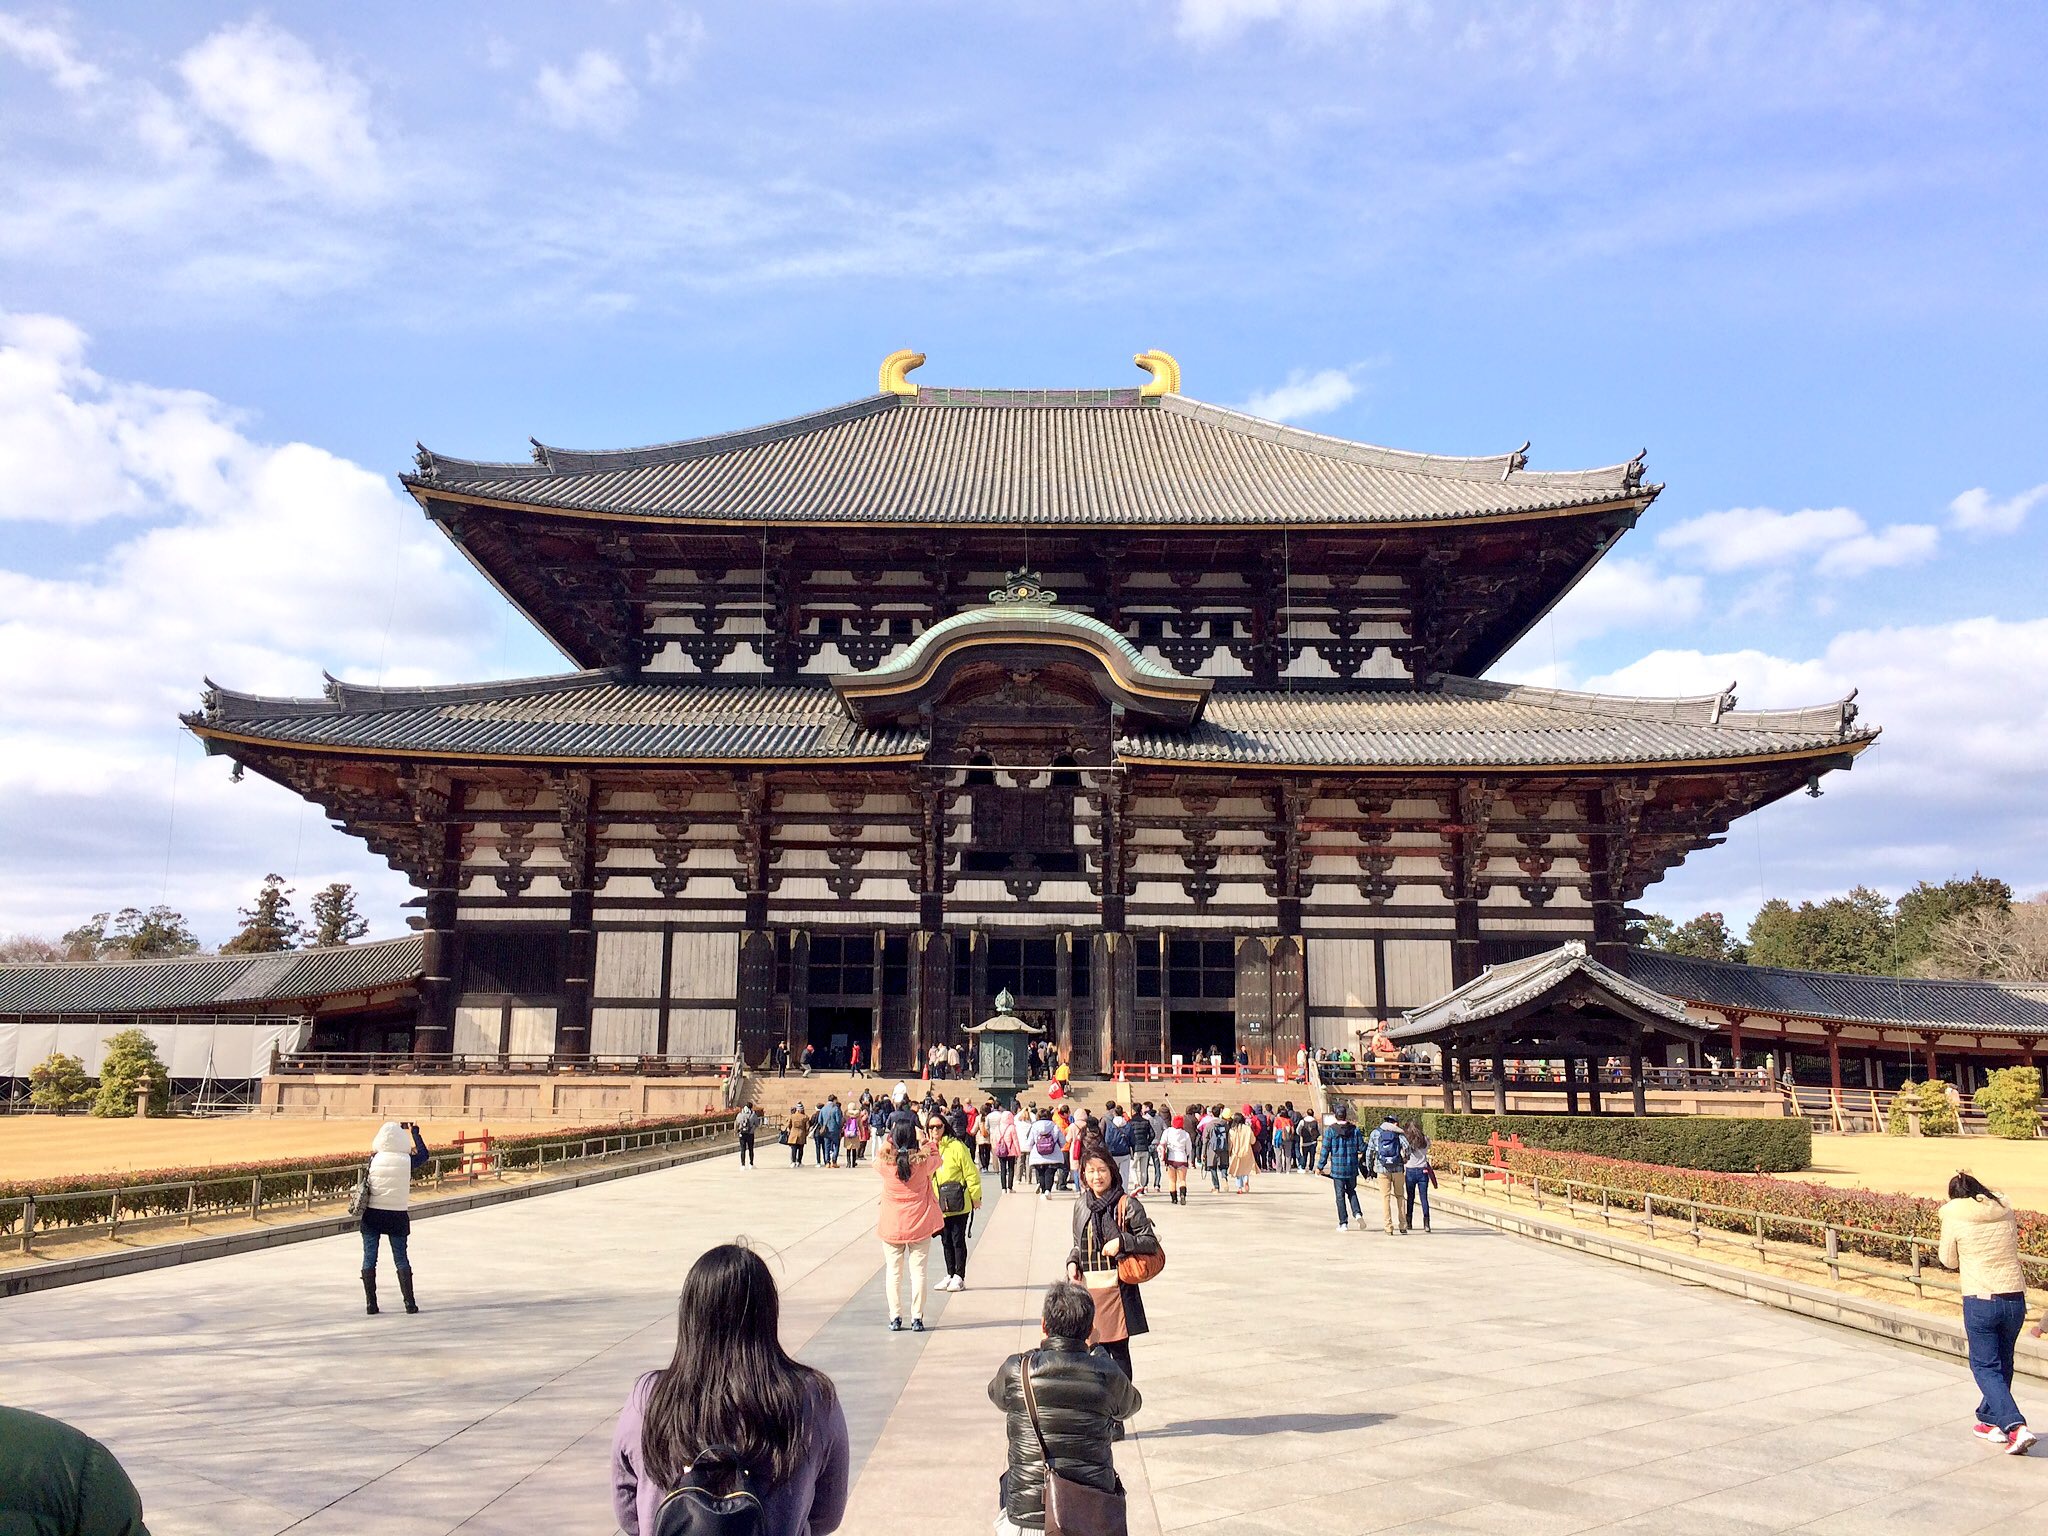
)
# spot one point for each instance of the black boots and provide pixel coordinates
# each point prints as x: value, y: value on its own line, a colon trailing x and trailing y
x: 405, y: 1290
x: 370, y: 1291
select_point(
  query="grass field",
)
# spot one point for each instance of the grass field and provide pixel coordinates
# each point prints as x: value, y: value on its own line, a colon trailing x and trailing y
x: 1910, y: 1165
x: 55, y: 1146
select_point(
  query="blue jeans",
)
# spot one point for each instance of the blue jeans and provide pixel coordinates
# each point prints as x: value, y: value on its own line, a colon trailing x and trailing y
x: 1993, y: 1326
x: 1347, y: 1189
x: 1418, y: 1182
x: 401, y: 1261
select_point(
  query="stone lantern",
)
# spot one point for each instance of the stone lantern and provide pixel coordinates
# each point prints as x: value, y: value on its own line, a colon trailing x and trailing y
x: 1001, y: 1063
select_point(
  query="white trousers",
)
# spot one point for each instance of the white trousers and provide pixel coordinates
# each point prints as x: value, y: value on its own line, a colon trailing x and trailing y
x: 914, y: 1254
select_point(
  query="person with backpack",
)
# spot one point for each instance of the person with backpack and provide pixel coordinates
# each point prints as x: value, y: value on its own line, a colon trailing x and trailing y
x: 1339, y: 1161
x: 1078, y: 1402
x: 1144, y: 1147
x: 1216, y: 1155
x: 1044, y: 1157
x: 855, y: 1135
x: 1116, y: 1141
x: 796, y: 1130
x: 958, y: 1186
x: 1390, y: 1159
x: 909, y: 1219
x: 1006, y: 1142
x: 831, y: 1126
x: 745, y: 1124
x: 731, y: 1424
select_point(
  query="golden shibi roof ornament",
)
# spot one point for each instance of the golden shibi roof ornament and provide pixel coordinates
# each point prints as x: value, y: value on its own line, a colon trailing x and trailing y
x: 1164, y: 370
x: 894, y: 367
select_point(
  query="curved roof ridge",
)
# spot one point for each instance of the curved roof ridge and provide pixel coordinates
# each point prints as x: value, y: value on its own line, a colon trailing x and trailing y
x: 1692, y: 709
x: 549, y: 461
x: 340, y: 697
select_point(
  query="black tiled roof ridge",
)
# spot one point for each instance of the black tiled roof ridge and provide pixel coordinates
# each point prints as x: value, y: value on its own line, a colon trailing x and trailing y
x: 1793, y: 973
x: 341, y: 698
x: 1716, y: 709
x: 361, y: 946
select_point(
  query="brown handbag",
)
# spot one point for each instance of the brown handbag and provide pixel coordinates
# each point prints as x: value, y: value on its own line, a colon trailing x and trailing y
x: 1137, y: 1268
x: 1071, y: 1508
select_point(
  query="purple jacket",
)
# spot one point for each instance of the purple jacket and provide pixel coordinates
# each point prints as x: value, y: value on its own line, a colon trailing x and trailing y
x: 811, y: 1503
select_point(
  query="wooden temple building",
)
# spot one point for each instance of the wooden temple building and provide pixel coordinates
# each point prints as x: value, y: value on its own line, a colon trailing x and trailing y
x: 1170, y: 720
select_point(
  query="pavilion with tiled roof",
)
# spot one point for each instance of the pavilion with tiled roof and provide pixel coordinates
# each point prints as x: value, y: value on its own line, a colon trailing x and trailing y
x: 1168, y: 719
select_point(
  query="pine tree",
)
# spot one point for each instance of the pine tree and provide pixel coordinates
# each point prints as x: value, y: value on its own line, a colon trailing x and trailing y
x: 59, y: 1082
x: 269, y: 923
x: 131, y: 934
x: 335, y: 919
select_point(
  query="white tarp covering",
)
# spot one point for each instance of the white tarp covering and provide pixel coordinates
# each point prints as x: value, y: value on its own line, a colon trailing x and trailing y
x: 231, y: 1049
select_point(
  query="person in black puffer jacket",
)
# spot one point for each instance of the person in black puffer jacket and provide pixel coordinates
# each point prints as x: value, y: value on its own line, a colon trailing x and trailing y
x: 1083, y: 1400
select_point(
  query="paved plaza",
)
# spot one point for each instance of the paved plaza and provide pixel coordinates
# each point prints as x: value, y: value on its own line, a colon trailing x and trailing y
x: 1296, y: 1379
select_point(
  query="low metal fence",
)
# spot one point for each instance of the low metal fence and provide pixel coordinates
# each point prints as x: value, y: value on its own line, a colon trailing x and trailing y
x: 1840, y: 1244
x: 106, y: 1211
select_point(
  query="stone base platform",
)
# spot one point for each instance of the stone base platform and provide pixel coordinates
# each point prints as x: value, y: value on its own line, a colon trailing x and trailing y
x: 581, y: 1098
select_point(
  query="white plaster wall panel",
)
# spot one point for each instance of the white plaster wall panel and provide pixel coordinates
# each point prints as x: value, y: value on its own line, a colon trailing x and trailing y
x: 1418, y: 971
x: 705, y: 965
x: 476, y: 1031
x: 533, y: 1032
x: 624, y: 1031
x: 702, y: 1032
x: 480, y: 913
x: 628, y: 964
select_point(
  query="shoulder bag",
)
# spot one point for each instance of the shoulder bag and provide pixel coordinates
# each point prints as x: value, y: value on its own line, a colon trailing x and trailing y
x: 359, y: 1197
x: 1137, y: 1268
x: 1071, y: 1508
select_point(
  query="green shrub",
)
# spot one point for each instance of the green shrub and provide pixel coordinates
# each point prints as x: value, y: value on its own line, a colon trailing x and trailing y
x: 1879, y: 1218
x: 1937, y: 1115
x: 59, y: 1082
x: 2010, y: 1102
x: 131, y: 1060
x: 1728, y: 1143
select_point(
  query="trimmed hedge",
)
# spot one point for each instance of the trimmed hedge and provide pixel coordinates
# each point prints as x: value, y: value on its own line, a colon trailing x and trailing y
x: 1882, y: 1214
x: 86, y: 1199
x: 1724, y: 1143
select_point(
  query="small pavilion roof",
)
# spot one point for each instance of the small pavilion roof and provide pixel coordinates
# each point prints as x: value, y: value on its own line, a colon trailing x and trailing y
x: 1504, y: 992
x: 1002, y: 457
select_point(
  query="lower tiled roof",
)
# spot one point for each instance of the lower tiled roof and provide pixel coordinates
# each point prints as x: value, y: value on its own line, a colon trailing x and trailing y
x: 600, y: 716
x: 1502, y: 988
x: 209, y: 981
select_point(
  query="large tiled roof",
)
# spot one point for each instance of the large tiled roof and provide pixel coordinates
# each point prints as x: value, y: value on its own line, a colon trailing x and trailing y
x: 1500, y: 989
x: 1969, y: 1006
x: 208, y: 982
x: 600, y: 716
x: 1060, y: 457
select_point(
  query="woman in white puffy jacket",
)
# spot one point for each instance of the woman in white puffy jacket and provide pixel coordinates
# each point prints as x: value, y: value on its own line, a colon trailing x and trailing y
x: 1980, y: 1237
x: 396, y: 1153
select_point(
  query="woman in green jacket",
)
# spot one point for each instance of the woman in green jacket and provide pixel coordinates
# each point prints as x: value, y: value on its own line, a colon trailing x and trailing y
x: 958, y: 1183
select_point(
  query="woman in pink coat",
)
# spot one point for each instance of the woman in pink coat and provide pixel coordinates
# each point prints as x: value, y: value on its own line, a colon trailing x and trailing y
x: 909, y: 1219
x: 1008, y: 1145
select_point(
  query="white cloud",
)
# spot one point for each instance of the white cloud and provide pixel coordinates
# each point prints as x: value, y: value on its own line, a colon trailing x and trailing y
x: 259, y: 564
x: 50, y: 52
x: 1975, y: 512
x: 1900, y: 544
x: 1742, y: 537
x: 1304, y: 394
x: 1618, y: 593
x: 1211, y: 21
x: 1951, y: 786
x: 277, y: 98
x: 673, y: 47
x: 592, y: 94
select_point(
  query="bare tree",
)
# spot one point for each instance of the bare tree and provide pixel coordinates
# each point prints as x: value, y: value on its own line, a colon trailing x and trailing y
x: 1992, y: 945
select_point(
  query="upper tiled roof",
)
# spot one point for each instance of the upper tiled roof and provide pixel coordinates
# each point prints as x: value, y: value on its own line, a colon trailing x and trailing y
x: 1502, y: 988
x: 208, y: 982
x: 1073, y: 457
x: 1990, y: 1006
x: 600, y: 716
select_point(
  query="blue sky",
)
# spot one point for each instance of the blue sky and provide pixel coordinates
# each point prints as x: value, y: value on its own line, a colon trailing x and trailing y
x: 247, y: 257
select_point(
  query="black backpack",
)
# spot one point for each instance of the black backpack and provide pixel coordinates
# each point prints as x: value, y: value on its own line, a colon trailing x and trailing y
x: 696, y: 1508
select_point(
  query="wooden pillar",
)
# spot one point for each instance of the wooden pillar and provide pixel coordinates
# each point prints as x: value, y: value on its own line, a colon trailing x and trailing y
x: 870, y: 1048
x: 931, y: 1000
x: 1449, y: 1073
x: 434, y: 1021
x: 1735, y: 1038
x: 1593, y: 1083
x: 1635, y: 1073
x: 1500, y: 1078
x: 1571, y: 1086
x: 797, y: 1025
x: 579, y: 952
x: 1928, y: 1041
x: 1834, y: 1034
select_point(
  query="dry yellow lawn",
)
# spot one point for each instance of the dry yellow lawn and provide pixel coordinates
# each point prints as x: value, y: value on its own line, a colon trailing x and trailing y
x: 48, y: 1146
x: 1909, y: 1165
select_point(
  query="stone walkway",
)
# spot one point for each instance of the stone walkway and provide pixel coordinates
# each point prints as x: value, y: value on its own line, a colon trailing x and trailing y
x: 1297, y: 1380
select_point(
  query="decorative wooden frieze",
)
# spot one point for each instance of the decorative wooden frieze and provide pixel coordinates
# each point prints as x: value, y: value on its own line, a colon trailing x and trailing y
x: 515, y: 847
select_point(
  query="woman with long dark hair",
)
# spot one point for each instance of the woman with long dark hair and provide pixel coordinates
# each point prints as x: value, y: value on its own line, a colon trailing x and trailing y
x: 958, y: 1183
x: 1109, y: 1225
x: 732, y: 1389
x: 1980, y: 1236
x: 909, y: 1217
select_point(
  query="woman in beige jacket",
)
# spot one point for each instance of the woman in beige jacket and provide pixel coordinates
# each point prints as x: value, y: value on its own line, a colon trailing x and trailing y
x: 1980, y: 1236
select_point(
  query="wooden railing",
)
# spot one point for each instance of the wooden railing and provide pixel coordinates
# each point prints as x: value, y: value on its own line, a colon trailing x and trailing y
x: 403, y: 1063
x: 99, y: 1211
x: 1744, y: 1227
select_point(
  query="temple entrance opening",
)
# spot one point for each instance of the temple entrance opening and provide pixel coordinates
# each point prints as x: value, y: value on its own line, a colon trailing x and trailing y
x: 832, y: 1032
x: 1197, y: 1033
